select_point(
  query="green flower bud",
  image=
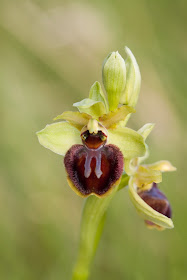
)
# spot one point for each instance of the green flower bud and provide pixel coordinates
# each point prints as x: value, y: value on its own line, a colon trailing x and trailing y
x: 133, y: 81
x: 114, y: 78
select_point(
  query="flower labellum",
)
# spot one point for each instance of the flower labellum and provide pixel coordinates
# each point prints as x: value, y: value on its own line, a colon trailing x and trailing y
x: 94, y: 167
x: 156, y: 200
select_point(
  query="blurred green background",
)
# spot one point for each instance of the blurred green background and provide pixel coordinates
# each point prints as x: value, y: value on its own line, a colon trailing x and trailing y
x: 51, y: 52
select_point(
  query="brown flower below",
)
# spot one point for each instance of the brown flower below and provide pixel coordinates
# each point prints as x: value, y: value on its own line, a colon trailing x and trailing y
x: 156, y: 200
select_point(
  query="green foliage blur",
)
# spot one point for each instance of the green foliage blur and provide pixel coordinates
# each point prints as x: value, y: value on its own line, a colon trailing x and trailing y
x: 51, y: 52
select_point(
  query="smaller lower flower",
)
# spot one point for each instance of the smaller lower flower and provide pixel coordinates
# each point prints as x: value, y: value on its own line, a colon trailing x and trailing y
x: 149, y: 201
x: 158, y: 201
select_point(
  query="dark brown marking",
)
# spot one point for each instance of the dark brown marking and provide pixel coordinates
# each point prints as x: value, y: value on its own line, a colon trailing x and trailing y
x: 93, y: 141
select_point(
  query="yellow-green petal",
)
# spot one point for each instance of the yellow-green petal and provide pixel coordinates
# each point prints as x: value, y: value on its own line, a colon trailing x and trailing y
x: 115, y: 117
x: 145, y: 211
x: 76, y: 118
x: 59, y: 137
x: 97, y: 94
x: 162, y: 165
x: 145, y: 176
x: 91, y: 107
x: 128, y: 141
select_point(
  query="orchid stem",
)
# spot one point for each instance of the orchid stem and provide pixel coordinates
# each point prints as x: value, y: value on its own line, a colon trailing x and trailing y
x: 93, y: 218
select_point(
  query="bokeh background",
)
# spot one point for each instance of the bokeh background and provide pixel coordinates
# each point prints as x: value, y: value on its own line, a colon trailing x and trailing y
x: 51, y: 52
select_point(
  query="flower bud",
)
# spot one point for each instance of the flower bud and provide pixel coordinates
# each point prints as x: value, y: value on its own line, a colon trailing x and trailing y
x: 114, y: 78
x: 133, y: 81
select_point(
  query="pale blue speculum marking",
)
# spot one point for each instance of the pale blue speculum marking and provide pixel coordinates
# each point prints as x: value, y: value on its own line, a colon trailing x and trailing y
x: 90, y: 154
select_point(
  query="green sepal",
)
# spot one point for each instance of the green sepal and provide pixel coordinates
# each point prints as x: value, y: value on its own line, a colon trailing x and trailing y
x: 113, y: 118
x: 145, y: 211
x: 128, y: 141
x: 130, y: 166
x: 147, y: 153
x: 146, y: 130
x: 114, y: 78
x: 97, y: 94
x: 133, y: 81
x: 75, y: 118
x: 59, y: 137
x: 91, y: 107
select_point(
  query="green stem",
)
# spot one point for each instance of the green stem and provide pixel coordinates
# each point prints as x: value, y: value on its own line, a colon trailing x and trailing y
x: 93, y: 218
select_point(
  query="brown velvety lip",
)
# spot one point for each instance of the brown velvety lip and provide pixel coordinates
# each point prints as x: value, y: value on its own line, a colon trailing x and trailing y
x: 111, y: 168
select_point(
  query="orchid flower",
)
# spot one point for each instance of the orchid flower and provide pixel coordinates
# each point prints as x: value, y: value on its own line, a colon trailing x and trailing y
x: 101, y: 155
